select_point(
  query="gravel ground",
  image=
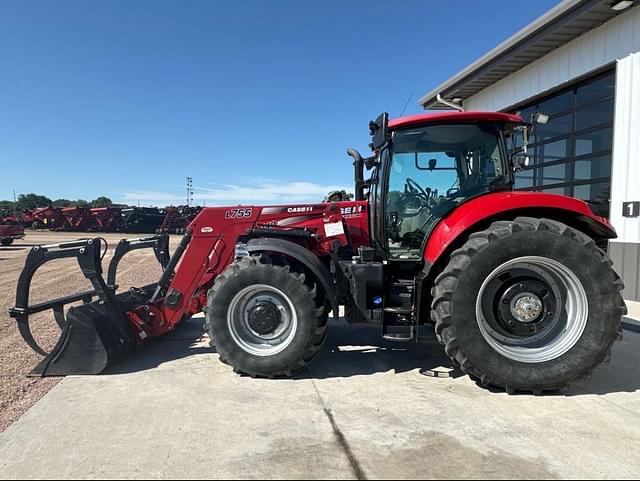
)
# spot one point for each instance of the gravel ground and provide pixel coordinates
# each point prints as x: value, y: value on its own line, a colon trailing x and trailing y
x: 18, y: 392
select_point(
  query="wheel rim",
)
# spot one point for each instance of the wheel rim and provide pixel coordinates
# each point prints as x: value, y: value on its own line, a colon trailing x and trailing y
x: 532, y: 309
x: 262, y: 320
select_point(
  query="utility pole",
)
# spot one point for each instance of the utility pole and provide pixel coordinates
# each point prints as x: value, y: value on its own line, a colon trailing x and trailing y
x: 189, y: 191
x: 15, y: 204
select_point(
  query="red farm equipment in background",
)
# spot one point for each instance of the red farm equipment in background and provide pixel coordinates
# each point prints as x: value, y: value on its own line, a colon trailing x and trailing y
x: 133, y: 220
x: 141, y: 220
x: 178, y: 219
x: 48, y: 218
x: 78, y: 219
x: 107, y: 219
x: 26, y: 218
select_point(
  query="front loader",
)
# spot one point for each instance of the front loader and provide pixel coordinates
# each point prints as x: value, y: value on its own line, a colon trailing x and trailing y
x: 516, y: 285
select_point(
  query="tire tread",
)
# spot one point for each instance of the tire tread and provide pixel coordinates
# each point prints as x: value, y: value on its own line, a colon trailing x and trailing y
x: 306, y: 284
x: 446, y: 282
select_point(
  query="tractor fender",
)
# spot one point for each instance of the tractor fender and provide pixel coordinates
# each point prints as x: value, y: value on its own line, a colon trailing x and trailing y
x: 302, y: 255
x: 504, y: 205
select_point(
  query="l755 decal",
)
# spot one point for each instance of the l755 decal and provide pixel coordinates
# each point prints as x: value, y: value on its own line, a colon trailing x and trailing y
x: 241, y: 213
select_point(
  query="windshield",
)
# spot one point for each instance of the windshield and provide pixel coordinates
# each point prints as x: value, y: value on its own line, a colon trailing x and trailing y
x: 432, y: 169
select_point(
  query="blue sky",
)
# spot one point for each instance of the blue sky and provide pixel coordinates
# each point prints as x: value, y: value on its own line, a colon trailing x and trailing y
x: 256, y: 100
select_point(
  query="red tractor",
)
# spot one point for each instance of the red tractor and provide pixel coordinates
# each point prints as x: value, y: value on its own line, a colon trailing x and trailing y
x: 516, y: 284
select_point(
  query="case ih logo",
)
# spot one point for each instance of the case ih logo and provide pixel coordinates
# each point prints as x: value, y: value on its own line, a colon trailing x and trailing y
x: 298, y: 210
x: 356, y: 209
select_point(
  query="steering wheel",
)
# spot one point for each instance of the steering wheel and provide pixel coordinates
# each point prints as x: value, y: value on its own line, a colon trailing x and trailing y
x: 413, y: 188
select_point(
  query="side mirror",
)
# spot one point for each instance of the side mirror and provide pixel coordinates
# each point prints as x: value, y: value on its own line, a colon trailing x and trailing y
x: 371, y: 162
x: 379, y: 130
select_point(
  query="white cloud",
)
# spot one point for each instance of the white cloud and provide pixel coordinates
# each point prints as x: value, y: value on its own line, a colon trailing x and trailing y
x: 256, y: 192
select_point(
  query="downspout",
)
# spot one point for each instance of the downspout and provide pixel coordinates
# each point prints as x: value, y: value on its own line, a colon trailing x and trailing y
x: 448, y: 103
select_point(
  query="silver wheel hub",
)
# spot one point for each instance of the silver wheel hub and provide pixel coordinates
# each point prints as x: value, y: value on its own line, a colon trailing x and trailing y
x: 527, y: 307
x: 532, y: 309
x: 262, y: 320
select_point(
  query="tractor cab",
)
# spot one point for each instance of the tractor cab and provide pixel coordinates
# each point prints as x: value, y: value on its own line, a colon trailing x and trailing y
x: 424, y: 166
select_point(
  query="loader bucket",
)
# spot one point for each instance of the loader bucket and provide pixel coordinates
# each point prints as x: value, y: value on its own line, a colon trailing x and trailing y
x: 92, y: 339
x: 97, y: 333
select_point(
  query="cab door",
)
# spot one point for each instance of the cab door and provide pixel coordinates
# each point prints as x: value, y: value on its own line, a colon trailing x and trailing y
x: 377, y: 195
x: 431, y: 171
x: 418, y: 183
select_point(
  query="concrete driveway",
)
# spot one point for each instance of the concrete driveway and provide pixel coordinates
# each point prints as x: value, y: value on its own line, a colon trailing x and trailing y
x: 362, y: 410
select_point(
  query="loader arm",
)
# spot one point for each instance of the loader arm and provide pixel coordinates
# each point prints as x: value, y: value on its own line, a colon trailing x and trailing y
x: 215, y: 233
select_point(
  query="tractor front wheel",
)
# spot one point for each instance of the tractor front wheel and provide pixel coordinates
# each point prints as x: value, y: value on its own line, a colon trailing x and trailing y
x: 528, y: 305
x: 266, y: 320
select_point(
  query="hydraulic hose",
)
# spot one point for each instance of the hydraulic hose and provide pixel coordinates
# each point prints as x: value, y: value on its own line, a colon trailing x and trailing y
x: 165, y: 279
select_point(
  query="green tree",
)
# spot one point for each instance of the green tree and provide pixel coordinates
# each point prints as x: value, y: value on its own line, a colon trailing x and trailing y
x: 62, y: 203
x: 81, y: 203
x: 32, y: 201
x: 7, y: 208
x: 101, y: 202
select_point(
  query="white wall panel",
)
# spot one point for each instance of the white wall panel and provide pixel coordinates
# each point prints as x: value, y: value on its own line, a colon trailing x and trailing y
x: 614, y: 40
x: 625, y: 182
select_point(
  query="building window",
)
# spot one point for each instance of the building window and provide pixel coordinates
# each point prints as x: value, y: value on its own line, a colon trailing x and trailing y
x: 571, y: 155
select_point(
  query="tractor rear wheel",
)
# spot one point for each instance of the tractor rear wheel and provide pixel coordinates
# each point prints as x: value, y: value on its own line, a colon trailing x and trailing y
x: 266, y: 320
x: 528, y: 305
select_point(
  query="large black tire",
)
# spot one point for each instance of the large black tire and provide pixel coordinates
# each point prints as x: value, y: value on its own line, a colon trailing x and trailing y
x: 7, y: 242
x: 456, y: 289
x: 307, y: 300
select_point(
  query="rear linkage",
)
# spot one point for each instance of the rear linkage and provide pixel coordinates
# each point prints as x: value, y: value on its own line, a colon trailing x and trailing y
x: 97, y: 332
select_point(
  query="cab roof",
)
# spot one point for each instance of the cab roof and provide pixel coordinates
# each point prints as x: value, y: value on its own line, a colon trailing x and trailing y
x: 423, y: 119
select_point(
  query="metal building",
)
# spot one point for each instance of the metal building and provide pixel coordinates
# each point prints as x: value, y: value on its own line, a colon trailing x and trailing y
x: 579, y: 63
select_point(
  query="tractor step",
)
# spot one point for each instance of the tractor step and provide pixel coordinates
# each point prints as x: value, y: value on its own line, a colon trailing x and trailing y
x: 399, y: 310
x: 406, y: 334
x: 397, y: 318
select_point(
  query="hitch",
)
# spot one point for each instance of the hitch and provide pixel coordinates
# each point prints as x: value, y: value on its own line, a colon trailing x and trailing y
x: 98, y: 332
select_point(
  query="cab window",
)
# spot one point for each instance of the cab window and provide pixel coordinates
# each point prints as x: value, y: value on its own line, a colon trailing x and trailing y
x: 432, y: 169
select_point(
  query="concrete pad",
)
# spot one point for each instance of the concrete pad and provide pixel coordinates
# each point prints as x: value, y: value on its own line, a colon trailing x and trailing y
x: 174, y: 412
x: 361, y: 410
x: 402, y: 424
